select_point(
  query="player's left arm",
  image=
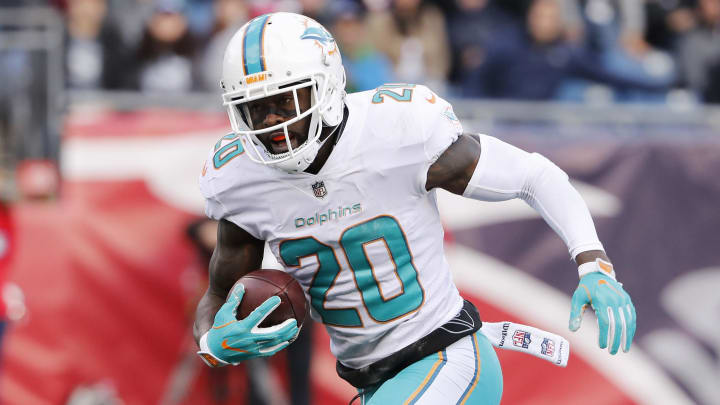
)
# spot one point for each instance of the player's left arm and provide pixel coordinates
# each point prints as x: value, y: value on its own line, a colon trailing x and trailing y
x: 487, y: 169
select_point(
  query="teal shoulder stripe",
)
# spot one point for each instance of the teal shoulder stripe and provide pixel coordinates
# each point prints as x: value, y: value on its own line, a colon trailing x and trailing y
x: 254, y: 58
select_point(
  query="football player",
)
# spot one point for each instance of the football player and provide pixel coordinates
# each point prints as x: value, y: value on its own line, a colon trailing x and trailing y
x: 343, y: 189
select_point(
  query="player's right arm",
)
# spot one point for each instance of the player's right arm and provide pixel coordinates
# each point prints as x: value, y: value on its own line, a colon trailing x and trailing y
x: 236, y: 254
x: 221, y: 337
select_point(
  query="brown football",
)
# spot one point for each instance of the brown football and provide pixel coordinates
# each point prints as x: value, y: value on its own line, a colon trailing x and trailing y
x: 263, y: 284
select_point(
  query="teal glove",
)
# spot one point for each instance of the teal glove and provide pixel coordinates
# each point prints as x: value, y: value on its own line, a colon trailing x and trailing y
x: 613, y: 307
x: 231, y: 341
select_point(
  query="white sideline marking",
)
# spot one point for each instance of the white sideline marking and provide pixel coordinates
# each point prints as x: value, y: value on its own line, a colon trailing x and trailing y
x: 170, y: 165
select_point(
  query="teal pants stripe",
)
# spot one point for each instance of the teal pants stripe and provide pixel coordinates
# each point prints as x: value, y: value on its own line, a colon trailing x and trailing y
x: 473, y: 382
x: 489, y: 384
x: 428, y: 381
x: 466, y: 372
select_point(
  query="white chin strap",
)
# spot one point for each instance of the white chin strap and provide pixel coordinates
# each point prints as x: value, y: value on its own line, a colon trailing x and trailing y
x: 302, y: 160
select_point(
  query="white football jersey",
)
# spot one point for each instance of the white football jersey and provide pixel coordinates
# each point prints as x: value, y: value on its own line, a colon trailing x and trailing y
x: 363, y: 236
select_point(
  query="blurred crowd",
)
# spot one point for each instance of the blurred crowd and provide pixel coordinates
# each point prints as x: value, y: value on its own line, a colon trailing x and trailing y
x: 566, y: 50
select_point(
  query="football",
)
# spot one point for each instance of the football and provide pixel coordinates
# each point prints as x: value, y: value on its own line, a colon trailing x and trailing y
x: 263, y: 284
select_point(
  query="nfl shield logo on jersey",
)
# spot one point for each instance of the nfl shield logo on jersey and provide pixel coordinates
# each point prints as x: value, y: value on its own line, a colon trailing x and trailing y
x: 547, y: 347
x: 521, y: 339
x: 319, y: 189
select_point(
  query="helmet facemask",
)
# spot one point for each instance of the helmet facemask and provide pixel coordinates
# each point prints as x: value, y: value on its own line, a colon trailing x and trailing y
x: 273, y: 54
x: 247, y: 111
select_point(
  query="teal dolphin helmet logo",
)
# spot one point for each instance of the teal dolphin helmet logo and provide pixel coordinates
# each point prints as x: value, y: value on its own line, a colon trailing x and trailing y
x: 317, y: 33
x: 450, y: 114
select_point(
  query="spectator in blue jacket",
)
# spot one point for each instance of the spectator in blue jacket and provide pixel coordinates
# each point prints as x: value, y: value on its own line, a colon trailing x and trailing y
x: 538, y: 63
x: 471, y: 25
x: 699, y: 52
x: 365, y: 66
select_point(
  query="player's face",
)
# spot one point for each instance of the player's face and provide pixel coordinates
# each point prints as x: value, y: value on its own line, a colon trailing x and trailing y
x: 277, y: 109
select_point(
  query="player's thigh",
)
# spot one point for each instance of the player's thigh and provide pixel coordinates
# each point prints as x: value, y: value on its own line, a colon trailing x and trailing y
x: 466, y: 372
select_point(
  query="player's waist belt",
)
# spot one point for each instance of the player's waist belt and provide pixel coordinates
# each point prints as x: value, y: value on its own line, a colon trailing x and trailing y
x: 466, y: 322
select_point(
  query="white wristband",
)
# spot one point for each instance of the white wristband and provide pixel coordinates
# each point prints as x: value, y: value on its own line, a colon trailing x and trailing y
x: 206, y: 355
x: 597, y: 266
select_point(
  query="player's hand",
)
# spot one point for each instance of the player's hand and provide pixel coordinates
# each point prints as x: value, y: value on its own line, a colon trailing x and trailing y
x: 613, y: 307
x: 231, y: 341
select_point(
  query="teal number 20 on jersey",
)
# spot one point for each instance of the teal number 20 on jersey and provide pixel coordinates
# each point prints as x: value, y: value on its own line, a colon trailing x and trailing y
x: 353, y: 242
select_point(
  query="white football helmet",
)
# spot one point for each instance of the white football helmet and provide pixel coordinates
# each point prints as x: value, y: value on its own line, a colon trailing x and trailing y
x: 277, y: 53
